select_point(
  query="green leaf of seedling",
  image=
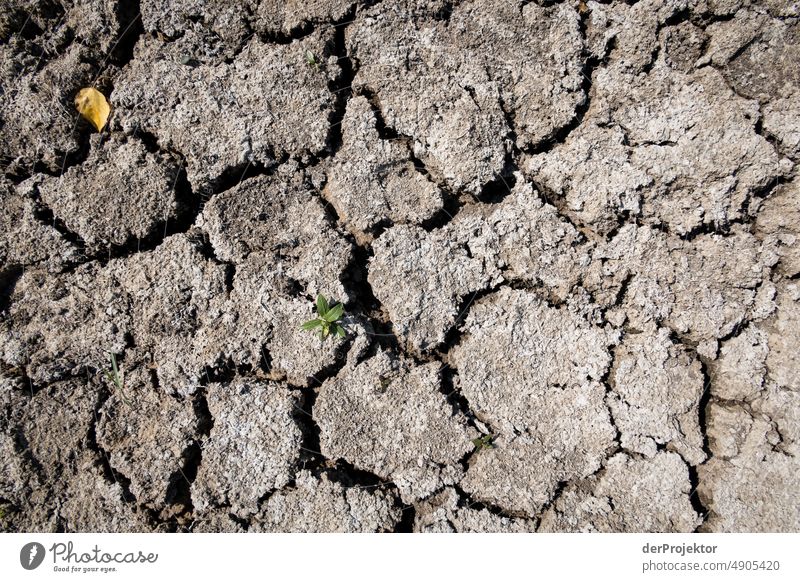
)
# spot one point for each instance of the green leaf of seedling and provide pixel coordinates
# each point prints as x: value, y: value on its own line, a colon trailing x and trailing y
x: 115, y: 378
x: 322, y: 305
x: 114, y: 364
x: 311, y: 59
x: 483, y: 442
x: 334, y: 313
x: 312, y: 324
x: 384, y: 383
x: 326, y: 324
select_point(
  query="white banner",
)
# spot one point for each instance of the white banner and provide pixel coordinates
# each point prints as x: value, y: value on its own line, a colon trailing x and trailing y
x: 401, y: 557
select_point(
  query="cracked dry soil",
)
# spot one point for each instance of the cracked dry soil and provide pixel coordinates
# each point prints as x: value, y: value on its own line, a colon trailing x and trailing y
x: 570, y: 225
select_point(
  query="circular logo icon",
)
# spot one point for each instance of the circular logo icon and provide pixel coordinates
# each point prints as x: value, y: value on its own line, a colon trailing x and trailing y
x: 31, y: 555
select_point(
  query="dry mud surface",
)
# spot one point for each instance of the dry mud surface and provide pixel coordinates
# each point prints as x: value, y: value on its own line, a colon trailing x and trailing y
x: 568, y: 228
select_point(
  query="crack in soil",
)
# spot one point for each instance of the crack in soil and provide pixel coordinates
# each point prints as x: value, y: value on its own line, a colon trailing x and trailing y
x: 694, y: 479
x: 466, y: 500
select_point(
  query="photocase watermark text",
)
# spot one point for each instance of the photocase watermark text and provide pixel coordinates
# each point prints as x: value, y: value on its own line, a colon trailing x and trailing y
x: 64, y: 553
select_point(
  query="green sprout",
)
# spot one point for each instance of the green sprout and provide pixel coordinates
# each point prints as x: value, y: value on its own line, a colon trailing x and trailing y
x: 312, y: 59
x: 383, y: 383
x: 483, y: 442
x: 328, y: 320
x: 114, y: 377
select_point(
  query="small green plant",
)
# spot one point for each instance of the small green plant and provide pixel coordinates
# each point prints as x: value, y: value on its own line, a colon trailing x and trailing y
x: 483, y: 442
x: 383, y: 383
x: 328, y: 320
x: 312, y: 59
x: 114, y: 377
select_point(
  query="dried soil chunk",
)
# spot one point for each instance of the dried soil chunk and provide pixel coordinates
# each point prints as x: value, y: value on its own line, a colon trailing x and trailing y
x: 526, y: 239
x: 57, y: 325
x: 168, y: 290
x: 445, y: 83
x: 702, y: 289
x: 572, y: 437
x: 782, y: 408
x: 593, y: 173
x: 93, y: 504
x: 147, y: 438
x: 298, y: 353
x: 657, y: 386
x: 120, y: 193
x: 282, y: 17
x: 216, y: 522
x: 759, y: 55
x: 750, y: 484
x: 423, y: 277
x: 107, y: 25
x: 374, y: 181
x: 224, y: 117
x: 233, y: 24
x: 532, y: 373
x: 42, y: 434
x: 51, y: 475
x: 284, y: 248
x: 739, y: 372
x: 260, y: 323
x: 322, y: 505
x: 20, y: 224
x: 783, y: 362
x: 717, y: 285
x: 252, y: 448
x: 216, y: 18
x: 778, y: 225
x: 629, y: 495
x: 519, y: 353
x: 634, y: 30
x: 37, y: 121
x: 389, y: 417
x: 26, y: 16
x: 674, y: 149
x: 683, y: 45
x: 60, y: 325
x: 280, y: 218
x: 782, y: 120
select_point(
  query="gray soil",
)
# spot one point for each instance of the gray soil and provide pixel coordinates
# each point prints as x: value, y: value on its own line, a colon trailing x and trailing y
x: 566, y: 234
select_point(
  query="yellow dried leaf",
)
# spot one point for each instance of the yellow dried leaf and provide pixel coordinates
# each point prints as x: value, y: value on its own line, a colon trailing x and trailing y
x: 92, y: 105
